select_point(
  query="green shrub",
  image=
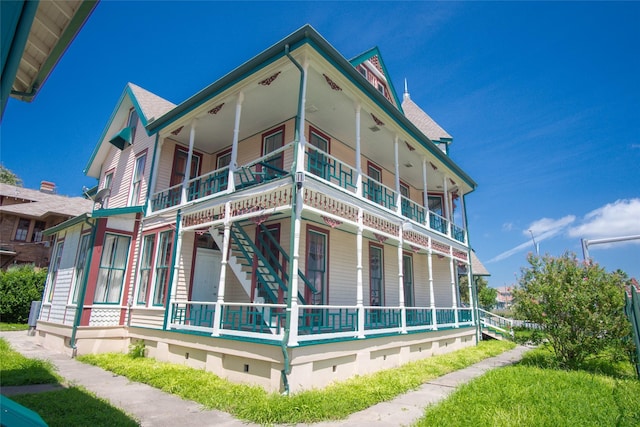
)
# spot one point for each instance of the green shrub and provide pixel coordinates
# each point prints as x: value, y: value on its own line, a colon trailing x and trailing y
x: 137, y: 349
x: 579, y: 306
x: 18, y: 287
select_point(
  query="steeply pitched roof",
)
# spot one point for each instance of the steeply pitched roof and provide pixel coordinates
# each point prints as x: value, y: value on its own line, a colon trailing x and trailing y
x: 423, y: 121
x: 374, y: 56
x: 37, y: 204
x: 150, y: 105
x: 476, y: 266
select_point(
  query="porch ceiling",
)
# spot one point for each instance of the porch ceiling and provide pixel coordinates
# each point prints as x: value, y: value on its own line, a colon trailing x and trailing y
x: 271, y: 97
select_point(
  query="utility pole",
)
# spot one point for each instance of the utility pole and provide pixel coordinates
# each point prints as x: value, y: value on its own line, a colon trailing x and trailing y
x: 586, y: 243
x: 535, y: 245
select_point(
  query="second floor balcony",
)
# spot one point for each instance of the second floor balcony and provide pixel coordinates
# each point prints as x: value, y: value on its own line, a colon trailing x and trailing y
x: 318, y: 165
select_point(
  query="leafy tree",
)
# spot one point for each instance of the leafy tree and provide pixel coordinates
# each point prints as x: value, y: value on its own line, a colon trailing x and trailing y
x: 18, y: 287
x: 579, y: 306
x: 8, y: 177
x: 486, y: 295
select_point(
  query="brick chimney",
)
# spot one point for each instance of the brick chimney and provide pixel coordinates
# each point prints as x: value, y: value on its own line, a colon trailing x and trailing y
x: 47, y: 187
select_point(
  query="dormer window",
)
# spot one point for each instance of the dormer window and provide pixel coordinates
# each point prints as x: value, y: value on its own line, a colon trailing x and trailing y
x: 362, y: 71
x: 380, y: 88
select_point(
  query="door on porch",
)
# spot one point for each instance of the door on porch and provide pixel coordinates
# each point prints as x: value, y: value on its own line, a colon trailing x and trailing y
x: 206, y: 278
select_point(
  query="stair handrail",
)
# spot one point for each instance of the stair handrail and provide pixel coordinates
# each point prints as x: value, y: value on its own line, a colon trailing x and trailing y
x: 260, y: 257
x: 286, y: 257
x: 505, y: 321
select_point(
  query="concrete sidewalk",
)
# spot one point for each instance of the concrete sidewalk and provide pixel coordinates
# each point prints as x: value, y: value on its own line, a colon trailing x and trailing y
x: 154, y: 408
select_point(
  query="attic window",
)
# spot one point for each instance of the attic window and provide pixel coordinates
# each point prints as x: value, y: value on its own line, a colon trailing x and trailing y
x: 125, y: 137
x: 380, y: 88
x: 362, y: 70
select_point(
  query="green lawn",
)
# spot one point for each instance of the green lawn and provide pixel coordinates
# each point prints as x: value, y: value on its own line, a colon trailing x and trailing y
x: 13, y: 326
x: 253, y: 404
x: 71, y: 406
x: 18, y: 370
x: 74, y: 406
x: 534, y: 394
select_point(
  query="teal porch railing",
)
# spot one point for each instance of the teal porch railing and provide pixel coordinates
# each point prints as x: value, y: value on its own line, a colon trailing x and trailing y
x: 194, y: 313
x: 264, y: 169
x: 382, y: 318
x: 418, y: 316
x: 328, y: 168
x: 313, y: 322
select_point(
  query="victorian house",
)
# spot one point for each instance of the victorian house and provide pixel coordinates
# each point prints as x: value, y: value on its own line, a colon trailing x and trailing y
x: 292, y: 224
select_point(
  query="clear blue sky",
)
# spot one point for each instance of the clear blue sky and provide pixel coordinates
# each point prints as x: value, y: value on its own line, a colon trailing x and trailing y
x: 542, y: 99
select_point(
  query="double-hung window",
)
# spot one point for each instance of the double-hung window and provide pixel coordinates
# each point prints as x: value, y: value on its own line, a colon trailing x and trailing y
x: 317, y: 266
x: 22, y: 231
x: 113, y: 264
x: 146, y: 264
x: 163, y: 267
x: 38, y: 228
x: 318, y: 162
x: 373, y: 187
x: 272, y: 141
x: 81, y: 265
x: 136, y: 184
x: 376, y: 275
x: 132, y: 122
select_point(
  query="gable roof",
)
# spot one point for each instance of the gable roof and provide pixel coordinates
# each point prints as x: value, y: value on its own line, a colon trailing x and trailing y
x: 37, y: 204
x: 477, y: 268
x: 374, y: 55
x: 423, y: 121
x: 149, y: 107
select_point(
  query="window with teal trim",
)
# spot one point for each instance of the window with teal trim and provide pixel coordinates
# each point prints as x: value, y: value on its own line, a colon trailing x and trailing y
x: 407, y: 280
x: 55, y: 266
x: 113, y: 265
x: 163, y: 267
x: 81, y: 261
x: 146, y: 262
x: 317, y: 266
x: 376, y: 276
x: 136, y: 183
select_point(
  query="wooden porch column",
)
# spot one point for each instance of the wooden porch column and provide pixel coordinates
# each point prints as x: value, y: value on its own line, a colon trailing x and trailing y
x: 397, y: 177
x: 358, y: 154
x: 359, y: 290
x: 403, y: 309
x: 217, y: 317
x: 464, y: 217
x: 233, y: 163
x: 174, y: 282
x: 432, y: 297
x: 425, y: 196
x: 187, y: 172
x: 445, y: 197
x: 454, y: 294
x: 470, y: 291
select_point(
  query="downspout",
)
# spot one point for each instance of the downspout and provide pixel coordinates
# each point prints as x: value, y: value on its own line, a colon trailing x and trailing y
x: 174, y: 259
x: 83, y: 290
x: 294, y: 206
x: 475, y: 285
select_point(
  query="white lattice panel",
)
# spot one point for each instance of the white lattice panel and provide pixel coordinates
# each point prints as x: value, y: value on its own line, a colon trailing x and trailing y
x: 104, y: 316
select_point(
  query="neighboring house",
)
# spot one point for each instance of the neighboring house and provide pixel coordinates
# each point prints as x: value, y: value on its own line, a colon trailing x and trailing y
x: 25, y: 214
x: 292, y: 224
x: 35, y: 35
x: 504, y: 299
